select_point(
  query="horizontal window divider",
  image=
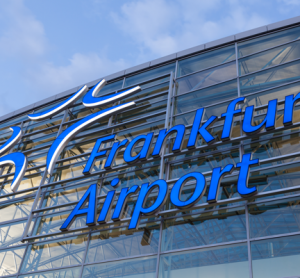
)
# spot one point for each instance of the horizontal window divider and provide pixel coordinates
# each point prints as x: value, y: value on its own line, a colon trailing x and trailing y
x: 122, y: 259
x: 19, y: 192
x: 274, y: 236
x: 13, y: 220
x: 191, y: 91
x: 145, y: 105
x: 18, y: 199
x: 13, y: 246
x: 241, y: 206
x: 203, y: 247
x: 264, y: 50
x: 273, y: 67
x: 148, y: 80
x: 90, y: 229
x: 206, y: 155
x: 234, y: 140
x: 27, y: 170
x: 231, y: 200
x: 282, y: 198
x: 209, y: 68
x: 37, y: 148
x: 151, y: 97
x: 49, y: 269
x: 41, y: 131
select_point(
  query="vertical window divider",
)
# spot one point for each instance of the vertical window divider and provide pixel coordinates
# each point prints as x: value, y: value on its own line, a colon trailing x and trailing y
x: 248, y: 240
x: 85, y: 253
x: 162, y: 162
x: 159, y: 247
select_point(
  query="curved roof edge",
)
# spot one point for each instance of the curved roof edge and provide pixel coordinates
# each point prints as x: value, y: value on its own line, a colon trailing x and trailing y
x: 196, y: 49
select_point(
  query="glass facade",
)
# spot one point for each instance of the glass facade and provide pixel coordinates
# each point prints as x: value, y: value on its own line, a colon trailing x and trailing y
x: 257, y: 237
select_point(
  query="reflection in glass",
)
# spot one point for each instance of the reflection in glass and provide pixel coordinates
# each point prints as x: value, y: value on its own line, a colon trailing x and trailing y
x: 270, y: 78
x: 206, y: 78
x: 54, y: 254
x: 10, y: 260
x: 11, y: 234
x: 73, y: 272
x: 277, y: 257
x: 147, y: 75
x: 269, y: 58
x: 204, y: 97
x: 15, y: 209
x: 204, y: 229
x: 267, y: 41
x: 119, y: 243
x: 273, y: 218
x: 221, y: 262
x: 206, y: 60
x: 141, y: 267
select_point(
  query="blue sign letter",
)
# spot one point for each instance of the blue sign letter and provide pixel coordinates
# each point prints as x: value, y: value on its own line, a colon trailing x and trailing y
x: 142, y: 198
x: 198, y: 192
x: 89, y: 195
x: 242, y: 185
x: 290, y: 102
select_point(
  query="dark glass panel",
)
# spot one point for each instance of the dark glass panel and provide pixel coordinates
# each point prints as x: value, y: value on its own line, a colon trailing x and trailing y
x: 206, y: 60
x: 206, y: 78
x: 267, y: 41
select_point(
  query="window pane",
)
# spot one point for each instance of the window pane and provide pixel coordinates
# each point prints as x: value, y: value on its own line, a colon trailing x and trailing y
x: 278, y: 257
x: 270, y: 78
x: 141, y: 267
x: 35, y: 126
x: 11, y: 234
x: 204, y: 97
x: 270, y: 58
x: 203, y: 164
x: 221, y: 262
x: 119, y: 243
x: 132, y: 80
x: 15, y: 210
x: 272, y: 218
x: 206, y: 60
x: 268, y: 41
x: 73, y: 272
x: 206, y: 78
x: 204, y: 229
x: 10, y: 260
x: 54, y: 254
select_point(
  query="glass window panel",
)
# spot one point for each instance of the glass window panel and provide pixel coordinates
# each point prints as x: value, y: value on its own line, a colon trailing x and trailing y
x: 270, y: 78
x: 206, y: 78
x: 47, y: 224
x: 119, y: 243
x: 221, y: 262
x: 128, y: 179
x: 269, y: 58
x: 69, y: 171
x: 203, y: 164
x: 150, y: 109
x: 267, y: 41
x: 65, y: 195
x: 141, y: 267
x: 204, y: 97
x: 10, y: 260
x: 36, y: 141
x: 274, y: 147
x: 11, y: 234
x: 279, y: 177
x: 44, y: 124
x: 204, y: 229
x: 147, y: 75
x: 28, y: 181
x: 6, y: 135
x: 278, y: 257
x: 272, y: 218
x: 15, y: 209
x: 15, y: 121
x: 147, y: 92
x: 206, y: 60
x: 117, y: 85
x: 73, y: 272
x: 54, y: 254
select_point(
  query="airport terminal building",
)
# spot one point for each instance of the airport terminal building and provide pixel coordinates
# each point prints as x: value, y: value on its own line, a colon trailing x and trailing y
x: 184, y: 166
